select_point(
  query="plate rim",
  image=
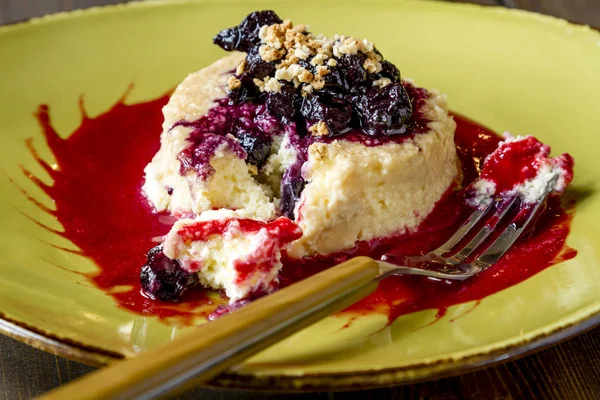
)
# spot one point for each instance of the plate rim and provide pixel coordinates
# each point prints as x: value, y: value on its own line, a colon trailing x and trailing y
x: 311, y: 382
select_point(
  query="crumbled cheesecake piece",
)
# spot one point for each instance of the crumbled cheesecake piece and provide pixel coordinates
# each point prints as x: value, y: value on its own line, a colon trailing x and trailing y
x: 231, y: 252
x: 521, y: 166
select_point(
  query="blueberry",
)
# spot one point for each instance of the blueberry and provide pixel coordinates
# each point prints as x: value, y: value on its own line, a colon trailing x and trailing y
x: 256, y: 67
x: 247, y: 92
x: 245, y: 36
x: 283, y: 105
x: 257, y: 149
x: 163, y: 278
x: 334, y: 110
x: 334, y: 81
x: 390, y: 71
x: 353, y: 71
x: 292, y: 186
x: 384, y: 110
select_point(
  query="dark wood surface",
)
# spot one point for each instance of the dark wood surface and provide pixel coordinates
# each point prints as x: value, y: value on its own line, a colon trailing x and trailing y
x: 570, y: 370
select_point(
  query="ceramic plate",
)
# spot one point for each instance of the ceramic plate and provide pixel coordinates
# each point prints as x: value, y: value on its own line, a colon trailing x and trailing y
x: 509, y: 70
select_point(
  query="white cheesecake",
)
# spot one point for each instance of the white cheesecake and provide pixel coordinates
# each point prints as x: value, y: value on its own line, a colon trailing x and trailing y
x: 321, y: 131
x: 353, y: 191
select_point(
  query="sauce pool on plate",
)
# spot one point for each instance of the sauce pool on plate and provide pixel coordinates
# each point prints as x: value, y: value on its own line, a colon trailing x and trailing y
x: 97, y: 192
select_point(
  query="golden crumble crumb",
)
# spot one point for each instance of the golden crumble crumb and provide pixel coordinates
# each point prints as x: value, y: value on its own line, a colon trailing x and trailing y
x: 322, y: 71
x: 305, y: 76
x: 318, y: 59
x: 319, y: 129
x: 318, y: 83
x: 268, y: 53
x: 241, y: 68
x: 233, y: 83
x: 272, y: 85
x: 318, y: 151
x: 260, y: 84
x: 252, y: 169
x: 370, y: 66
x: 307, y: 89
x: 383, y: 82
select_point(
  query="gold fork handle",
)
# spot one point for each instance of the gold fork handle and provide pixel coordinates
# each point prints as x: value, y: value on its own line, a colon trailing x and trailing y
x: 210, y: 349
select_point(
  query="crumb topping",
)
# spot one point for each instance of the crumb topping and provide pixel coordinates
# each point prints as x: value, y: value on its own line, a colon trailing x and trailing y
x: 319, y: 129
x: 326, y: 86
x: 318, y: 151
x: 382, y: 82
x: 289, y: 45
x: 233, y: 82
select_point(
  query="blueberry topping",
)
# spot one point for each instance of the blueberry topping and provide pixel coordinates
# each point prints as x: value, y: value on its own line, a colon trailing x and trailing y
x: 247, y: 92
x: 390, y: 71
x: 163, y: 278
x: 283, y: 105
x: 334, y: 81
x: 256, y: 148
x: 350, y: 85
x: 245, y: 128
x: 353, y: 72
x: 333, y: 110
x: 384, y: 110
x: 245, y: 36
x: 292, y: 186
x: 255, y: 67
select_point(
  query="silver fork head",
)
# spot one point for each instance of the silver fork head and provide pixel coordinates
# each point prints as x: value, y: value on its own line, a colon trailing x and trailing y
x: 448, y: 260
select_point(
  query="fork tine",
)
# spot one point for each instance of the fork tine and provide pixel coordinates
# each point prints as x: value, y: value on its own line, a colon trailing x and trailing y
x: 506, y: 239
x: 485, y: 232
x: 463, y: 230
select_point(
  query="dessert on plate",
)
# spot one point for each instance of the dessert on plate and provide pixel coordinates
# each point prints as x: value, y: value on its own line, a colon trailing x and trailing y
x: 521, y: 166
x: 297, y: 145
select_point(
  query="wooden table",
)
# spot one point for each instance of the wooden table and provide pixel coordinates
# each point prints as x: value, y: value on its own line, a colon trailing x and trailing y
x: 570, y: 370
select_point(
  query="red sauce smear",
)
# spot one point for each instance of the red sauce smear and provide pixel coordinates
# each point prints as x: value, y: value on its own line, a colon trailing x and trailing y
x: 97, y: 191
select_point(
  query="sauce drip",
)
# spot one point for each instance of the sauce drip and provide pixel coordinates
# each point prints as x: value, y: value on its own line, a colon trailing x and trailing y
x: 97, y: 192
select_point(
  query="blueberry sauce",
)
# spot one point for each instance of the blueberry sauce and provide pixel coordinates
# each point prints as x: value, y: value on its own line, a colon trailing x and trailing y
x: 247, y: 129
x: 103, y: 212
x: 213, y: 131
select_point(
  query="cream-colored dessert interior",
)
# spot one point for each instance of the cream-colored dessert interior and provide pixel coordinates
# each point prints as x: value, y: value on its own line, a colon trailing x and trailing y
x: 353, y: 192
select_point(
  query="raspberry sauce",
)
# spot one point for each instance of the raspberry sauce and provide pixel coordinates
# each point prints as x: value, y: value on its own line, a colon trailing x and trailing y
x: 97, y: 192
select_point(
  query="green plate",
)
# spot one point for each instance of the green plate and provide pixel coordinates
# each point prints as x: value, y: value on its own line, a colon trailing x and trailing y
x: 509, y: 70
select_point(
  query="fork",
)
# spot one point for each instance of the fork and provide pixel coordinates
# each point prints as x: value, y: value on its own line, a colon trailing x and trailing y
x: 449, y: 260
x: 212, y: 348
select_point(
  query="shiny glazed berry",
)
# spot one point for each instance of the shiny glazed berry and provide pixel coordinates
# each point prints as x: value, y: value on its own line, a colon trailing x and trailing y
x: 256, y: 148
x: 331, y: 109
x: 163, y: 278
x: 245, y: 35
x: 292, y: 186
x: 384, y: 110
x: 283, y: 105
